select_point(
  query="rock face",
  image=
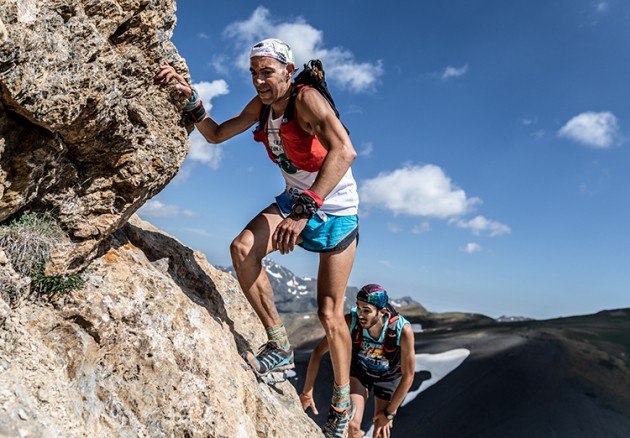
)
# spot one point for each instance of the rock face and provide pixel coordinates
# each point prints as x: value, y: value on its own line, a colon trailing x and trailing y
x: 150, y: 347
x: 85, y: 132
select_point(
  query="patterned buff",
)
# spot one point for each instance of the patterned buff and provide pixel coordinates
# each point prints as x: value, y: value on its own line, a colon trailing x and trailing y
x: 373, y: 294
x: 273, y: 48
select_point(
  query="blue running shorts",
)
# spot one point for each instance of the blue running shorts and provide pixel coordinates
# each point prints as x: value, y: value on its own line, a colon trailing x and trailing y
x: 323, y: 232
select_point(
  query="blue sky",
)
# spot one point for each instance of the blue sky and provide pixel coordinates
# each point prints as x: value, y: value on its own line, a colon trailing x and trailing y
x: 492, y: 142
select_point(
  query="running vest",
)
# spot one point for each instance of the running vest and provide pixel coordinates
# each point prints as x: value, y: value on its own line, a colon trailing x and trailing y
x: 300, y: 156
x: 302, y: 149
x: 378, y: 358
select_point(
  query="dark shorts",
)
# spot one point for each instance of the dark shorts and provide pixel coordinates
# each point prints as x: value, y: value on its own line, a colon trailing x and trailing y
x: 325, y: 232
x: 383, y: 389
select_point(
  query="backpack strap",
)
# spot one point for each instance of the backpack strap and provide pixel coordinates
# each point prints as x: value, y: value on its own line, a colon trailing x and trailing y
x: 262, y: 118
x: 289, y: 112
x: 355, y: 332
x: 390, y: 342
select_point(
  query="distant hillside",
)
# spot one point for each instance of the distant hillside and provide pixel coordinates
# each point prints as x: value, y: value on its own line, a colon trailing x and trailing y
x: 295, y: 294
x: 477, y: 377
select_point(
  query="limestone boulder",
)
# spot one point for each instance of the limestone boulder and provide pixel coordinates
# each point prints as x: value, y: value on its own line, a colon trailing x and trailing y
x: 150, y: 347
x: 85, y: 132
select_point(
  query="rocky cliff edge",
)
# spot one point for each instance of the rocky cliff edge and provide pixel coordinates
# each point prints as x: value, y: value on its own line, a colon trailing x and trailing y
x: 85, y: 133
x: 150, y: 347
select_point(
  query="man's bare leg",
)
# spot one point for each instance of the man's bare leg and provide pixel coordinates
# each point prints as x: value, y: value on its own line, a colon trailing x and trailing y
x: 334, y: 271
x: 359, y: 394
x: 247, y: 250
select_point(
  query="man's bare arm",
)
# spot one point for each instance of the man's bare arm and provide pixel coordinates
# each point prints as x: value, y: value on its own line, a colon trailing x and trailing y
x: 212, y: 131
x: 317, y: 117
x: 215, y: 132
x: 407, y: 366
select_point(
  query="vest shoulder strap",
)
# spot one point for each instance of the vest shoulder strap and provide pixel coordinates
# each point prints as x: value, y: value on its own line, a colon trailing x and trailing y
x: 390, y: 343
x: 262, y: 118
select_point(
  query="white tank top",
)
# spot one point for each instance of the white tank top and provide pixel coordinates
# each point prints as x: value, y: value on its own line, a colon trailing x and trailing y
x: 342, y: 201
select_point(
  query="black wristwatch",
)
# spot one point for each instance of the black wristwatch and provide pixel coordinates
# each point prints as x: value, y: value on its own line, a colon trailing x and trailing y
x: 304, y: 207
x: 299, y: 210
x: 389, y: 415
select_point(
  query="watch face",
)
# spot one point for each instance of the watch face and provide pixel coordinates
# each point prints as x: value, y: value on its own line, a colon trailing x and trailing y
x: 298, y: 209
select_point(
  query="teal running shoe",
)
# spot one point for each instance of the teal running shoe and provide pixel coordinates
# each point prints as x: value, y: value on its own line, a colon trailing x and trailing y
x: 337, y: 423
x: 270, y: 358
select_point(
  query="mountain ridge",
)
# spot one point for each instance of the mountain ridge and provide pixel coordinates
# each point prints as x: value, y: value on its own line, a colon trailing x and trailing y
x: 295, y: 294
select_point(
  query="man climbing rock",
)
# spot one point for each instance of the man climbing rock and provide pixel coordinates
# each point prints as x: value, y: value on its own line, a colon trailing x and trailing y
x: 317, y: 210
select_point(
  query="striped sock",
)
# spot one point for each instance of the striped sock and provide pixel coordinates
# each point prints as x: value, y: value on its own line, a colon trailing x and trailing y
x: 341, y: 397
x: 279, y: 336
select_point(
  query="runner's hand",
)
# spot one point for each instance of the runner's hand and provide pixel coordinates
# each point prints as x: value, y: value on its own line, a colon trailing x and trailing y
x: 167, y: 73
x: 381, y: 425
x: 287, y: 233
x: 307, y: 402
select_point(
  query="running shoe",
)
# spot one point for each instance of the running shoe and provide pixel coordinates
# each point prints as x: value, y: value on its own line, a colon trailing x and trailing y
x: 337, y: 423
x: 270, y: 358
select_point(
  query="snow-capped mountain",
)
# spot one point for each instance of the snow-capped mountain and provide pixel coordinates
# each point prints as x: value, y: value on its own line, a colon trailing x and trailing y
x: 402, y: 302
x: 292, y: 294
x: 295, y: 294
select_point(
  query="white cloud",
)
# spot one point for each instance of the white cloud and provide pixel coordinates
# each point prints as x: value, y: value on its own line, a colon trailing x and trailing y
x: 480, y: 224
x: 539, y: 134
x: 209, y: 90
x: 366, y: 149
x: 454, y: 72
x: 353, y: 109
x: 200, y: 150
x: 307, y: 43
x: 424, y: 227
x: 199, y: 231
x: 182, y: 176
x: 190, y: 213
x: 601, y: 7
x: 527, y: 121
x: 472, y: 247
x: 157, y: 209
x: 387, y: 264
x: 221, y: 63
x: 393, y: 228
x: 417, y: 191
x: 592, y: 129
x: 250, y: 28
x: 203, y: 152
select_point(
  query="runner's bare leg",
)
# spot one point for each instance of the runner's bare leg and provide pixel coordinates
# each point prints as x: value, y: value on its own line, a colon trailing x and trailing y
x: 334, y: 271
x: 247, y: 250
x: 359, y: 395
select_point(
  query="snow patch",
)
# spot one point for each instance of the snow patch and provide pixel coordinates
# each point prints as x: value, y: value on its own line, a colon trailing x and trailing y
x: 274, y: 274
x: 439, y: 365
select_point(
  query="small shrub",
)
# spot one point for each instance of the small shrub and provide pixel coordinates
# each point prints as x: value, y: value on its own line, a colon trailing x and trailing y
x: 53, y: 286
x: 27, y: 242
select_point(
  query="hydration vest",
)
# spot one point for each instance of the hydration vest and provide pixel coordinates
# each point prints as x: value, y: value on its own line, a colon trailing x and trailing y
x: 303, y: 150
x: 389, y: 345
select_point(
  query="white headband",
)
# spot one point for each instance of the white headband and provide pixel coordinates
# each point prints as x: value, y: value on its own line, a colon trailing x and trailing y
x: 273, y: 48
